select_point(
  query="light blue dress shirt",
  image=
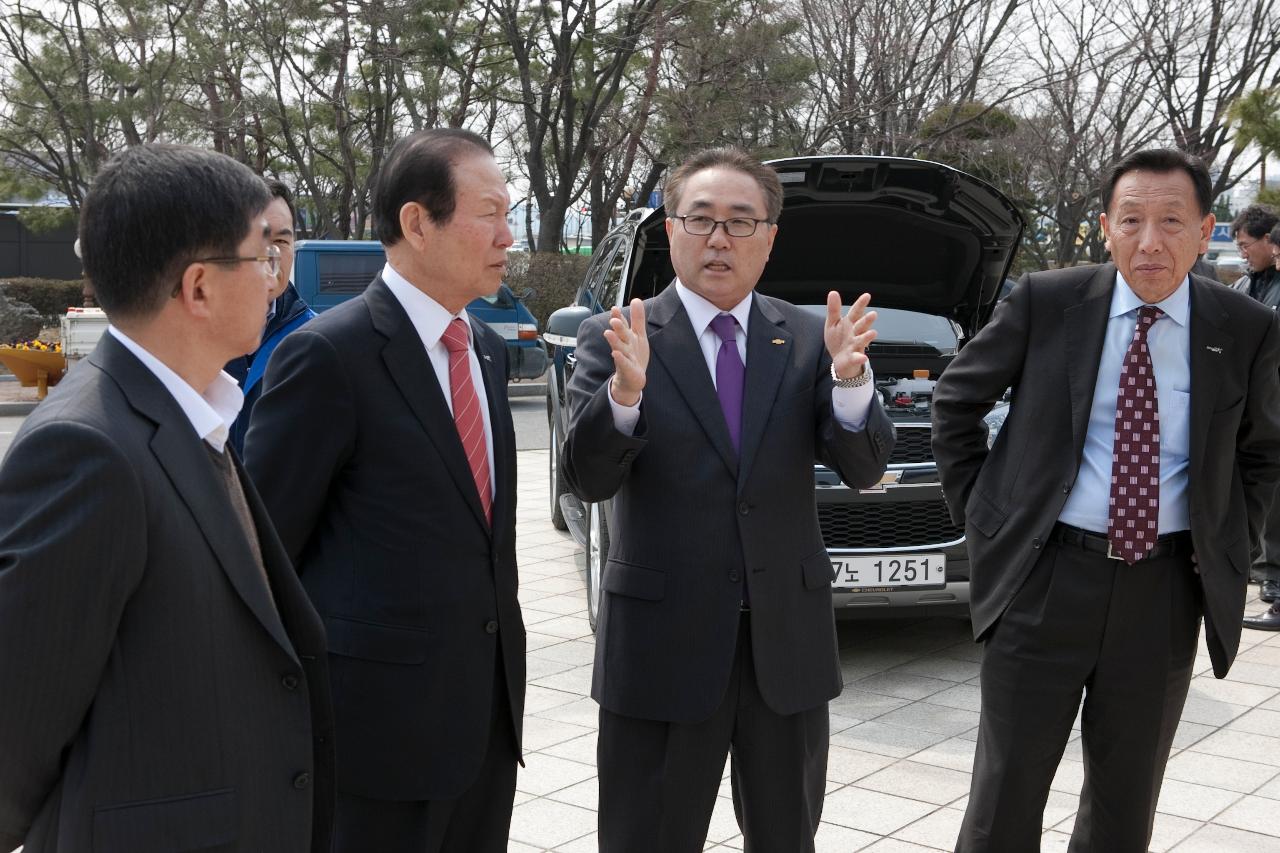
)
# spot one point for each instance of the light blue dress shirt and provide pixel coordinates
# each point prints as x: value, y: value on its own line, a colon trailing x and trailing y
x: 1169, y: 343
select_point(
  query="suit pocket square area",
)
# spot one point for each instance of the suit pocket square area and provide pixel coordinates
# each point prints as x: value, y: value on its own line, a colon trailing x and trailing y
x: 355, y: 638
x: 634, y: 581
x: 983, y: 514
x: 817, y: 570
x: 192, y: 822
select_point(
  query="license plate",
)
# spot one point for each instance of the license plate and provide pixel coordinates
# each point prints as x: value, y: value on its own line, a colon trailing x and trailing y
x: 885, y: 574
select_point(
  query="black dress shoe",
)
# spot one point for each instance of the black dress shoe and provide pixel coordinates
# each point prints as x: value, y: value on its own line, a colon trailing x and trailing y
x: 1270, y: 591
x: 1268, y: 620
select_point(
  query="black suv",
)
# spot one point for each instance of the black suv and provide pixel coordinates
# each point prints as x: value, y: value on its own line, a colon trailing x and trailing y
x: 933, y: 246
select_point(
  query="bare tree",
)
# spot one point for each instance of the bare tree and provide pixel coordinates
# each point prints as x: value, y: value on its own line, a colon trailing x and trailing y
x: 1095, y: 107
x: 883, y: 66
x: 571, y: 59
x: 1204, y: 54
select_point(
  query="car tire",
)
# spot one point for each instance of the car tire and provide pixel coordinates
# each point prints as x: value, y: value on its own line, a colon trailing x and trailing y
x: 555, y: 476
x: 597, y: 554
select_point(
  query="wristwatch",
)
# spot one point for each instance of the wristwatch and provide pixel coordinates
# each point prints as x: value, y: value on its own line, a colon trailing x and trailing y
x: 856, y: 382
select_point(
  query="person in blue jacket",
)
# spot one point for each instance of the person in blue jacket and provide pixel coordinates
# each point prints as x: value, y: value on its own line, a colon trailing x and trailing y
x: 288, y: 310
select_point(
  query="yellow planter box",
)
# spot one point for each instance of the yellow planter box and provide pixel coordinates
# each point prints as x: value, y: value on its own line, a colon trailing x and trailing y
x: 34, y: 367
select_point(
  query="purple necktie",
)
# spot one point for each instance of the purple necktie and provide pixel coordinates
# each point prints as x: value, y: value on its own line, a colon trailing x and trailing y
x: 730, y: 373
x: 1133, y: 520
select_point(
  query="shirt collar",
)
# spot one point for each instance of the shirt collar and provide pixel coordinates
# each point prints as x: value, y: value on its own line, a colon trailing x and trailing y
x: 701, y: 312
x: 429, y: 317
x: 1176, y: 305
x: 211, y: 411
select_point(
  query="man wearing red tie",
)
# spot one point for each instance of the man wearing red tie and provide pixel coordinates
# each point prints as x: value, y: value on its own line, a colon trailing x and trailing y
x: 1114, y: 510
x: 384, y: 448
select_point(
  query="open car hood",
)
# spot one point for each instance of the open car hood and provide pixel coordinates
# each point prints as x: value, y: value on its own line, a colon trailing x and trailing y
x: 915, y: 234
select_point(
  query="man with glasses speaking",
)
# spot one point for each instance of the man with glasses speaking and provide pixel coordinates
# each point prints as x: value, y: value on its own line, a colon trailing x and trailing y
x: 701, y: 412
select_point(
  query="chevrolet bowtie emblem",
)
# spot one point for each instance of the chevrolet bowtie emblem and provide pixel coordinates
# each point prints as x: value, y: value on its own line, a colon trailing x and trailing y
x: 1218, y: 350
x: 778, y: 341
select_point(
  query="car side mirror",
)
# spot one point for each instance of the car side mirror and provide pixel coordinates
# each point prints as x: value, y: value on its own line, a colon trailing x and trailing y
x: 564, y: 322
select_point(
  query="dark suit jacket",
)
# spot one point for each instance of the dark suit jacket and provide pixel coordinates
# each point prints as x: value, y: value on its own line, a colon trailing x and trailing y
x: 153, y: 698
x: 690, y: 516
x: 359, y: 462
x: 1045, y: 341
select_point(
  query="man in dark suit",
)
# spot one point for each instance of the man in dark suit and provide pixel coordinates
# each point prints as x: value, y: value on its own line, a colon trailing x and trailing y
x: 1251, y: 230
x: 385, y: 452
x: 1117, y: 505
x: 287, y: 311
x: 162, y: 670
x: 716, y: 629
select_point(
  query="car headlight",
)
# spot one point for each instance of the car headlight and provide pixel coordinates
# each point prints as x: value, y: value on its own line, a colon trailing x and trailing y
x: 995, y: 420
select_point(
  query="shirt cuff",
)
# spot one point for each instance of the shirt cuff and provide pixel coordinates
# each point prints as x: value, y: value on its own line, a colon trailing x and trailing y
x: 851, y: 405
x: 625, y: 418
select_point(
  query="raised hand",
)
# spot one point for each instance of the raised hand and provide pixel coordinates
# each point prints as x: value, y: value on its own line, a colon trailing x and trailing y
x: 630, y: 346
x: 847, y: 337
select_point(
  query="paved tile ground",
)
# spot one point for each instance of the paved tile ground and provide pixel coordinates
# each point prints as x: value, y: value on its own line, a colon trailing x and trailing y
x: 902, y: 734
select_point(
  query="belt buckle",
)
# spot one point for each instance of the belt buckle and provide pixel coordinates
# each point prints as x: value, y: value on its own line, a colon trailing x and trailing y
x: 1112, y: 555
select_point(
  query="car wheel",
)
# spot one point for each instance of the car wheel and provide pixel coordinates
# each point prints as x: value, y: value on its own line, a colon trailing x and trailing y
x: 555, y: 477
x: 597, y: 553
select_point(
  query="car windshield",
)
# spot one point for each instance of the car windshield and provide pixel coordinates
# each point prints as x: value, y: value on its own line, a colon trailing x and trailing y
x: 901, y: 327
x: 500, y: 298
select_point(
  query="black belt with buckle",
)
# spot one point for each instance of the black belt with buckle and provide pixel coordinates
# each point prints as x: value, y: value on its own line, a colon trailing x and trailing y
x: 1168, y: 545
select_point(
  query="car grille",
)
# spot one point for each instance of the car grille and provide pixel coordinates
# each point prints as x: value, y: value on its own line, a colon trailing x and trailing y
x: 898, y: 524
x: 912, y: 445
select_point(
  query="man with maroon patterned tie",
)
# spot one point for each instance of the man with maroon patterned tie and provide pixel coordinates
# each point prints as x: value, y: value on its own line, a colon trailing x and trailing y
x: 384, y: 449
x: 1114, y: 510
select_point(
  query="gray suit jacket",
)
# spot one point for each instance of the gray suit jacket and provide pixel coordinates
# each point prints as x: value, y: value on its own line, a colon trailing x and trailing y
x: 691, y: 517
x: 154, y: 699
x: 1045, y: 341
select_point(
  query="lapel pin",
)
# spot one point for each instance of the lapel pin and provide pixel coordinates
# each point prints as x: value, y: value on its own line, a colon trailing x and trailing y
x: 778, y: 341
x: 488, y: 358
x: 1218, y: 350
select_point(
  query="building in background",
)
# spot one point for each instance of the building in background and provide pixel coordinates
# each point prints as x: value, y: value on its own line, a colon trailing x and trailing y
x: 25, y: 253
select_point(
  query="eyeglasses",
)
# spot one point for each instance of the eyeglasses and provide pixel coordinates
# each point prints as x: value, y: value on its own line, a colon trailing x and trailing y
x: 1244, y: 247
x: 705, y: 226
x: 271, y: 260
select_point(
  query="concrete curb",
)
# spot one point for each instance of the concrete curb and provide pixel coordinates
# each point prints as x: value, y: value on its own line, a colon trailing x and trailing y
x: 527, y: 389
x: 14, y: 408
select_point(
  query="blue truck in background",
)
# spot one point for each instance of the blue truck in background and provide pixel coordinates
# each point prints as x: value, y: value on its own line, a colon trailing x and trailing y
x: 329, y: 272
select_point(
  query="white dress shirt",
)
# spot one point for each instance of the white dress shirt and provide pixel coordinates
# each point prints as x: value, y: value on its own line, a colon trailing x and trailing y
x: 430, y: 319
x: 211, y: 411
x: 850, y: 405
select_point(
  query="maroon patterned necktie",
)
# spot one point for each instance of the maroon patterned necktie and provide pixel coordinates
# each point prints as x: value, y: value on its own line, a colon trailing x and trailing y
x: 1133, y: 520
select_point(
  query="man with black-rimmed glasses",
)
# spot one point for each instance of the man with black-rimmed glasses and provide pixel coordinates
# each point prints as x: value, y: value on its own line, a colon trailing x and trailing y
x: 716, y: 633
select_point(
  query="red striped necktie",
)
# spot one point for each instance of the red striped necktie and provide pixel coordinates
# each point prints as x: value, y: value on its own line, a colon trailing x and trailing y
x: 466, y: 411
